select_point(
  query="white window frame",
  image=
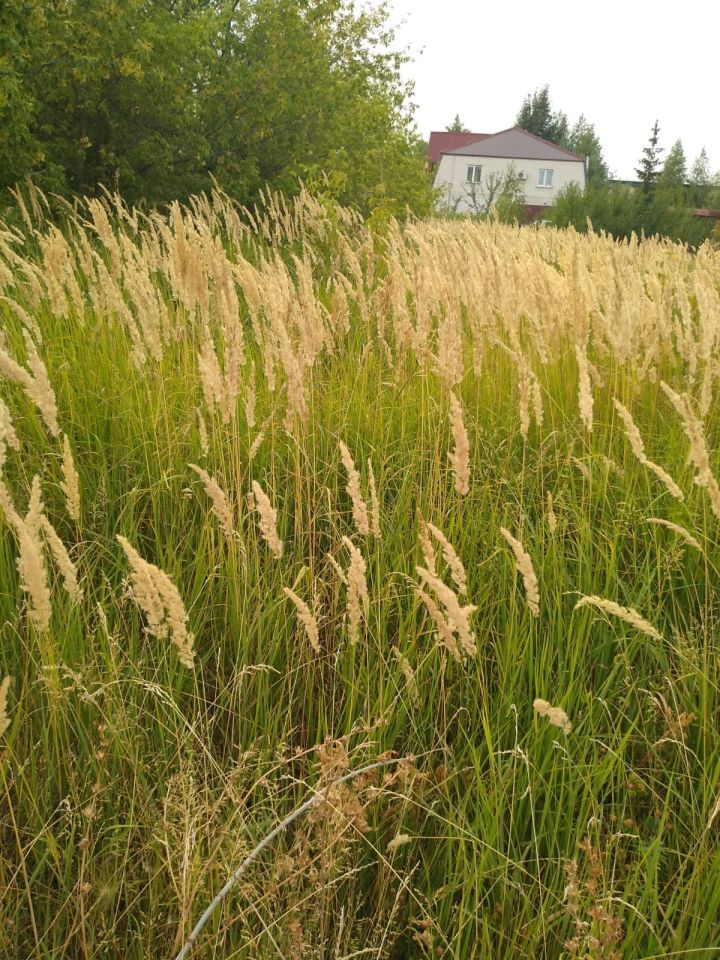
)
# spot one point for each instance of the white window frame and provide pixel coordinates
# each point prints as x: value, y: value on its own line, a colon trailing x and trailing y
x: 545, y: 177
x: 473, y: 173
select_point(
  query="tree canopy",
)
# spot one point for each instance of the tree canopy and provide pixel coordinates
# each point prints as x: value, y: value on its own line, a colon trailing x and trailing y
x: 457, y: 126
x: 161, y: 96
x: 536, y: 115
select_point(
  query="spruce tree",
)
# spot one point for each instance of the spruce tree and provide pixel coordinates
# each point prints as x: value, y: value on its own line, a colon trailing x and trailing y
x: 648, y: 169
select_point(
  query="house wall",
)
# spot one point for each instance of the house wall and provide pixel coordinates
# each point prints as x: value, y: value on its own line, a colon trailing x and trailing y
x: 452, y: 171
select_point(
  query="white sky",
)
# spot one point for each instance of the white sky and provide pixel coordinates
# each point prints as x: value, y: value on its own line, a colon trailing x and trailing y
x: 622, y: 64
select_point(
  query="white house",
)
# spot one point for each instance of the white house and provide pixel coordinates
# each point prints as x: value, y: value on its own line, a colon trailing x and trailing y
x: 470, y: 176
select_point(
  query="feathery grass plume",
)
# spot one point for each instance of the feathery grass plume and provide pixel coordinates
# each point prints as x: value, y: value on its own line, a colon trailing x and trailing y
x: 638, y: 448
x: 33, y: 576
x: 203, y: 433
x: 35, y: 383
x: 554, y: 715
x: 11, y: 514
x: 585, y: 397
x: 359, y: 507
x: 537, y: 403
x: 358, y: 599
x: 4, y: 718
x: 457, y: 570
x: 699, y: 455
x: 70, y: 484
x: 65, y: 565
x: 524, y: 387
x: 306, y: 618
x: 31, y: 560
x: 220, y: 504
x: 583, y: 468
x: 525, y: 568
x: 684, y: 534
x: 374, y: 503
x: 7, y: 430
x: 458, y: 617
x: 627, y: 614
x: 408, y: 673
x: 426, y: 545
x: 444, y: 631
x: 268, y: 520
x: 551, y: 516
x: 460, y: 456
x: 399, y: 840
x: 340, y: 573
x: 213, y: 380
x: 42, y: 392
x: 250, y: 398
x: 160, y: 601
x: 255, y: 445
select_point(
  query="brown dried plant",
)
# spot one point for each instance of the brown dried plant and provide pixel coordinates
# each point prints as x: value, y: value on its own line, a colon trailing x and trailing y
x: 160, y: 601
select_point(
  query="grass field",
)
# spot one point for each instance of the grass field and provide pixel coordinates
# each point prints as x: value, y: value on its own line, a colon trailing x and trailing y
x: 284, y: 496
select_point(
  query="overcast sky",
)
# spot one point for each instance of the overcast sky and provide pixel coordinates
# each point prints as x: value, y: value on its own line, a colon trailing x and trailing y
x: 622, y: 64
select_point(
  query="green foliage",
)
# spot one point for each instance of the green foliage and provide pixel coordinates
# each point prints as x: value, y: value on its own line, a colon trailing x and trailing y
x: 457, y: 126
x: 537, y: 116
x: 622, y: 211
x: 510, y: 203
x: 160, y: 97
x: 582, y: 139
x: 648, y: 170
x: 700, y: 186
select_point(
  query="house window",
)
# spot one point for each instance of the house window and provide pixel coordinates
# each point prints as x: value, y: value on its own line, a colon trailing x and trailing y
x: 473, y: 173
x: 545, y: 178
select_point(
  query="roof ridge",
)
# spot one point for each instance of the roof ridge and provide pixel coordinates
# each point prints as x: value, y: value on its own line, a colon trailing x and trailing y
x: 525, y: 133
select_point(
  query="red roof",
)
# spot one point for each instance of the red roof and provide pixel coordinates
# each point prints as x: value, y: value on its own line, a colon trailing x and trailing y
x: 442, y: 141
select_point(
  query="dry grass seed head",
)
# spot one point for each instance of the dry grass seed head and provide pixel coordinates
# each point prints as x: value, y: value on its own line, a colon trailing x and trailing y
x: 71, y: 481
x: 159, y: 599
x: 684, y: 534
x: 359, y: 507
x: 306, y: 618
x: 555, y: 715
x: 460, y: 455
x: 4, y: 718
x: 525, y: 568
x: 627, y: 614
x: 358, y: 598
x: 65, y: 565
x: 455, y: 565
x: 551, y: 515
x: 699, y: 454
x: 374, y: 502
x: 221, y: 506
x: 458, y: 616
x: 638, y: 448
x: 268, y: 520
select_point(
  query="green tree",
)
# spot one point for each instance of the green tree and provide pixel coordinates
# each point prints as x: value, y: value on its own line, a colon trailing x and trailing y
x: 582, y: 139
x: 674, y: 172
x: 648, y: 170
x: 700, y: 180
x: 162, y: 95
x: 537, y: 116
x: 457, y: 126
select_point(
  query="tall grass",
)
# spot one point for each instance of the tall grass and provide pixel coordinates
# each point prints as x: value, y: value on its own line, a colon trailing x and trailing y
x: 286, y: 457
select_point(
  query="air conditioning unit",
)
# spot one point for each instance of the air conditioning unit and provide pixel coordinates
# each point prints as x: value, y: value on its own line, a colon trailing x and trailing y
x: 522, y: 175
